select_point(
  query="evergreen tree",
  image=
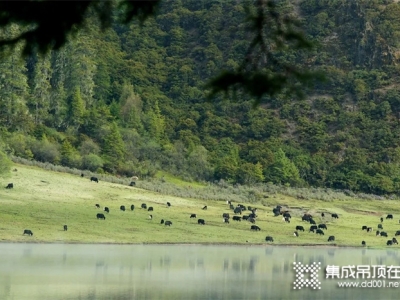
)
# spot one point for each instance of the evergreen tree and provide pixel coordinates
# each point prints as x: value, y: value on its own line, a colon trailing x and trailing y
x: 283, y: 170
x: 156, y: 123
x: 13, y: 87
x: 76, y: 108
x: 58, y: 106
x: 113, y: 148
x: 66, y: 152
x: 131, y: 108
x: 41, y: 89
x: 250, y: 173
x: 81, y: 68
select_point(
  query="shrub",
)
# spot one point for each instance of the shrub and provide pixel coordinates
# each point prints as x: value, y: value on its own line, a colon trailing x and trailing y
x: 19, y: 145
x: 5, y: 164
x: 92, y: 162
x: 45, y: 151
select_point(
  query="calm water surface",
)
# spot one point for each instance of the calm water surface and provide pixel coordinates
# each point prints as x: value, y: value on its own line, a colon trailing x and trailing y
x: 58, y: 271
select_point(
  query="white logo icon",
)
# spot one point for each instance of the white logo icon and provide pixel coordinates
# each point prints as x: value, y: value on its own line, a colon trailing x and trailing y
x: 313, y: 281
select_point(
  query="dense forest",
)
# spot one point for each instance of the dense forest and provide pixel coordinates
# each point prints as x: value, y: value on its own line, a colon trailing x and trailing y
x: 132, y: 100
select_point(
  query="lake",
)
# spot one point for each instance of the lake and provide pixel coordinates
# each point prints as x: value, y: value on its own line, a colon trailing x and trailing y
x: 71, y: 271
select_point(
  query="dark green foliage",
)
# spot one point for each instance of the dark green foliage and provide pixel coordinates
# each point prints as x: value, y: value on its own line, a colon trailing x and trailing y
x: 266, y: 68
x: 5, y: 164
x: 113, y: 148
x: 130, y: 99
x: 46, y: 30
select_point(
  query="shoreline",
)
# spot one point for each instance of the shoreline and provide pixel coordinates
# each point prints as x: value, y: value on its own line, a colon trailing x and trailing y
x: 195, y: 244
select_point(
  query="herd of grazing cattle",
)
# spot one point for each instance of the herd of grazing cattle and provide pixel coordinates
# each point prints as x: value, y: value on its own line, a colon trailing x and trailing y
x: 240, y: 215
x: 277, y: 211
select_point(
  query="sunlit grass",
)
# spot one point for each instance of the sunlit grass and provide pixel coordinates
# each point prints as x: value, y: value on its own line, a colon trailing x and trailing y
x: 177, y: 181
x: 44, y: 201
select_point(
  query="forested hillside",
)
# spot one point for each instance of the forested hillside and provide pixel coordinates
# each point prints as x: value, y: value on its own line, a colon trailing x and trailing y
x: 131, y: 100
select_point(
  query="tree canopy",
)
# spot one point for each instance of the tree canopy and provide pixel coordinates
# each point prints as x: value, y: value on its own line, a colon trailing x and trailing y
x: 47, y: 25
x: 130, y: 98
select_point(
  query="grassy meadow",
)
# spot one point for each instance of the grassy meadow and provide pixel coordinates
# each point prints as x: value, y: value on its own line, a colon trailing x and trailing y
x: 43, y: 201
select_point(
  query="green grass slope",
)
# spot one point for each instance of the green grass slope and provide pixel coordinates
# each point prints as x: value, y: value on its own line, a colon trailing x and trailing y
x: 44, y: 201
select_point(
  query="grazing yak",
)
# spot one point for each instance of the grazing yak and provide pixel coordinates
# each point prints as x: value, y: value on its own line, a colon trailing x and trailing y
x: 276, y: 212
x: 363, y: 243
x: 242, y: 206
x: 168, y: 204
x: 101, y: 216
x: 193, y: 216
x: 237, y: 210
x: 377, y: 232
x: 383, y: 233
x: 10, y: 186
x: 322, y: 215
x: 97, y: 205
x: 94, y: 179
x: 312, y: 222
x: 381, y: 219
x: 394, y: 240
x: 28, y: 232
x: 65, y: 227
x: 320, y: 231
x: 364, y: 227
x: 225, y: 215
x: 132, y: 207
x: 106, y: 209
x: 122, y: 207
x: 144, y: 205
x: 251, y: 220
x: 253, y: 215
x: 168, y: 223
x: 335, y: 216
x: 389, y: 217
x: 255, y: 227
x: 226, y: 220
x: 201, y: 222
x: 397, y: 233
x: 380, y: 226
x: 389, y: 243
x: 150, y: 208
x: 301, y: 228
x: 331, y: 238
x: 322, y: 226
x: 312, y: 228
x: 296, y: 234
x: 151, y: 217
x: 369, y: 229
x: 237, y: 218
x: 162, y: 221
x: 132, y: 183
x: 82, y: 175
x: 205, y: 207
x: 269, y: 238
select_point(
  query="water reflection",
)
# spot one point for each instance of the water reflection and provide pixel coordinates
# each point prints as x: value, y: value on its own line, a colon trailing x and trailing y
x: 186, y: 272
